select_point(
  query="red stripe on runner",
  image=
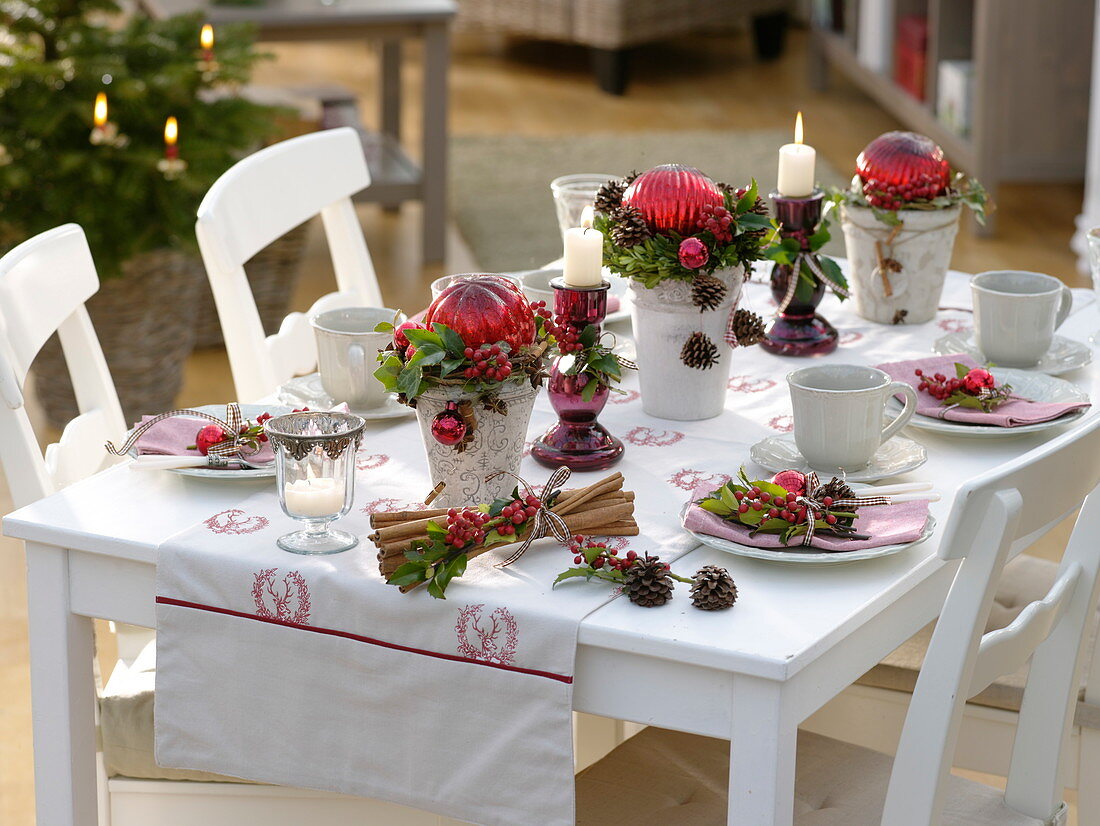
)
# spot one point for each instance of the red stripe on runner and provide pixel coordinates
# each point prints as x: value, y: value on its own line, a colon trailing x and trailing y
x: 561, y: 678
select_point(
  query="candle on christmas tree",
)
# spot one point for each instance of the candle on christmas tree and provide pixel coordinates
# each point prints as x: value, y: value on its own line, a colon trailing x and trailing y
x: 207, y: 64
x: 171, y: 165
x: 796, y: 165
x: 103, y: 131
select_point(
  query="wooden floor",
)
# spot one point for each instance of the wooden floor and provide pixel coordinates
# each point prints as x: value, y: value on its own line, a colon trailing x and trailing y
x: 523, y: 88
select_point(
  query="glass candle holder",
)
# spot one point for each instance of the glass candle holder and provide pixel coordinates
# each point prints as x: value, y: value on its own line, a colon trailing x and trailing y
x: 572, y: 193
x: 315, y: 475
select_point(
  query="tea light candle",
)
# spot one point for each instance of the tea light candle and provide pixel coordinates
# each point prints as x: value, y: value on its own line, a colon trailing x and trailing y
x: 583, y: 257
x: 796, y: 165
x: 314, y: 497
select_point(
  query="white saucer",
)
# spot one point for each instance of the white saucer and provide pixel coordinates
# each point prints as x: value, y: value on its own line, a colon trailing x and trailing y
x: 895, y: 457
x: 1030, y: 385
x: 306, y: 391
x: 1064, y: 354
x: 798, y: 554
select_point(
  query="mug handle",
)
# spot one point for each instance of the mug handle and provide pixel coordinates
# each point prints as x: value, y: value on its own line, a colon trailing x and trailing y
x: 902, y: 419
x: 357, y: 366
x: 1064, y: 306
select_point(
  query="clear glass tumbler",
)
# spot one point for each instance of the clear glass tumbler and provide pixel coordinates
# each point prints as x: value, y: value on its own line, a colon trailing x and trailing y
x: 315, y: 474
x: 572, y: 193
x: 1094, y: 265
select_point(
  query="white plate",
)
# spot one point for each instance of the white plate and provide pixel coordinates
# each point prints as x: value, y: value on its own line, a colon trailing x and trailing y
x: 248, y: 411
x: 306, y: 391
x: 1064, y: 354
x: 1031, y: 385
x: 893, y: 458
x: 536, y: 286
x: 795, y: 553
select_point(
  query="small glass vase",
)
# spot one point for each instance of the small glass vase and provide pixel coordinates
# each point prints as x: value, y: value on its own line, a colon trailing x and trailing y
x: 315, y: 475
x: 572, y: 193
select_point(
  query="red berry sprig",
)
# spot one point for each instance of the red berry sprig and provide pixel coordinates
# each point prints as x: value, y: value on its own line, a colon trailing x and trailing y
x: 488, y: 361
x: 938, y: 385
x: 894, y: 196
x: 777, y: 506
x: 465, y: 526
x: 716, y: 220
x: 973, y: 387
x: 515, y: 514
x: 607, y: 557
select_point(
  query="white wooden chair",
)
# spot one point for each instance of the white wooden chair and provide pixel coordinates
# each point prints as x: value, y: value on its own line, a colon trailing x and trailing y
x: 44, y: 283
x: 258, y: 200
x: 664, y: 777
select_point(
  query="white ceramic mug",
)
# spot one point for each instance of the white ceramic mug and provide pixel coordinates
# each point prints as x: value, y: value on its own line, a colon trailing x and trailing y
x: 1016, y: 314
x: 347, y: 347
x: 838, y: 412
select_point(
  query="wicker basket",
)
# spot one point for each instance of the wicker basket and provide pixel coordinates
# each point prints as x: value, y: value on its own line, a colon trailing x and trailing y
x: 145, y: 321
x: 272, y: 273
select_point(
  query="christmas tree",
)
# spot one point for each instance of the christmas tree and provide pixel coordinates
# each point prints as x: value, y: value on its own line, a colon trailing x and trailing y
x: 58, y: 56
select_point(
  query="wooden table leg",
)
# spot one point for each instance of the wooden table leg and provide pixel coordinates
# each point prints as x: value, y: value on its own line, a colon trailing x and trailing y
x: 763, y: 741
x: 434, y: 184
x: 62, y: 694
x: 390, y: 96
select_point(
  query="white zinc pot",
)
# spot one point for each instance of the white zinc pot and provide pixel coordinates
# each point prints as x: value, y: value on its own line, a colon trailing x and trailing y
x: 664, y: 318
x: 922, y: 248
x: 497, y: 444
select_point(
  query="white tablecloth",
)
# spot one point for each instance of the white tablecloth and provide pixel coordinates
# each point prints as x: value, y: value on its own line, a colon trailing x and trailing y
x: 344, y: 710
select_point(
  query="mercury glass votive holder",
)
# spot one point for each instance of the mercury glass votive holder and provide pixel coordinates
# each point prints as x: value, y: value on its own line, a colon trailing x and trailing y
x: 315, y: 476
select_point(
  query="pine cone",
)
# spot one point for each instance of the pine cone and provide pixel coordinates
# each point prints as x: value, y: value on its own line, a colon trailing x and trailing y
x: 609, y: 197
x: 699, y: 352
x: 748, y: 327
x: 707, y: 291
x: 713, y: 589
x: 647, y: 582
x: 629, y: 227
x: 837, y: 489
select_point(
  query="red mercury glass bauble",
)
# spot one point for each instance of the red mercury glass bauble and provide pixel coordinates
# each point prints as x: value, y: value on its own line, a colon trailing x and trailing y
x: 484, y: 309
x: 693, y: 253
x: 671, y: 197
x: 207, y: 437
x: 448, y: 427
x: 399, y: 339
x: 902, y: 159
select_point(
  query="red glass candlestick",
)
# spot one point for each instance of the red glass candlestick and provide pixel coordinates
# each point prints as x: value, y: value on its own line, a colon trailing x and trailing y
x: 577, y: 440
x: 798, y: 330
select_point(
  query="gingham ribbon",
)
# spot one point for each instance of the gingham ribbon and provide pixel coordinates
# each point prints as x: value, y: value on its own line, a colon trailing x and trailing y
x: 731, y: 336
x: 815, y: 268
x: 545, y: 520
x: 218, y: 455
x: 815, y: 492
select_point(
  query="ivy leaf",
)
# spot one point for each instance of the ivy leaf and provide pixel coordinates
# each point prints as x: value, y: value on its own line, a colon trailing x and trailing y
x: 409, y: 381
x: 451, y: 340
x: 427, y: 356
x: 384, y: 327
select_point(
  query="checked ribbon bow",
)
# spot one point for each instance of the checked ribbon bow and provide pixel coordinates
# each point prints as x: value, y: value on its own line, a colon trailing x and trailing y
x: 815, y: 507
x: 220, y: 454
x: 807, y: 259
x: 545, y: 521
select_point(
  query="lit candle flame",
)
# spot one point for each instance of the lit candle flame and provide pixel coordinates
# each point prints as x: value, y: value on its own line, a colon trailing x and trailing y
x: 206, y: 37
x: 99, y: 114
x: 798, y: 128
x: 171, y: 131
x: 588, y: 215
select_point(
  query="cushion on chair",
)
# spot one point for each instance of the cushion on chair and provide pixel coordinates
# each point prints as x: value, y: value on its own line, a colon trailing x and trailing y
x: 661, y: 777
x: 1025, y: 579
x: 126, y: 724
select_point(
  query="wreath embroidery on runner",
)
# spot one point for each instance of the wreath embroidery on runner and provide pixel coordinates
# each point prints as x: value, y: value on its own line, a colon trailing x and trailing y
x: 648, y: 437
x: 235, y: 521
x: 688, y: 479
x: 750, y: 384
x: 489, y: 639
x: 283, y: 600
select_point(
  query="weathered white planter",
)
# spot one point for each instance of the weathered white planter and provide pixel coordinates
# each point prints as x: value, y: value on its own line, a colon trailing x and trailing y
x: 664, y: 318
x: 497, y: 445
x: 923, y: 248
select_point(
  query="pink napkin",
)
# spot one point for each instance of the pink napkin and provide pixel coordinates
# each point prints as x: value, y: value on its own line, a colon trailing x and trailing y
x: 1009, y: 414
x: 171, y: 437
x: 887, y: 525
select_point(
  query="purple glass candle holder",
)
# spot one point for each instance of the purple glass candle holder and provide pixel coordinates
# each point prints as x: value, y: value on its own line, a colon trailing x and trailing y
x: 577, y: 440
x: 799, y: 330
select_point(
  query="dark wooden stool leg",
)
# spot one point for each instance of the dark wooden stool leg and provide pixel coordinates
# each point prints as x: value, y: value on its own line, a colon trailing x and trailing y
x: 610, y: 66
x: 769, y: 32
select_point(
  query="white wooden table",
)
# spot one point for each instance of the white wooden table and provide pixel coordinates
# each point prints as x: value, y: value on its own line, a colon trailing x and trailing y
x: 797, y: 636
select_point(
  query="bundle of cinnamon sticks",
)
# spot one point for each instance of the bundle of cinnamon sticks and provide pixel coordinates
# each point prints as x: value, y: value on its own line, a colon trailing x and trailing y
x: 601, y: 509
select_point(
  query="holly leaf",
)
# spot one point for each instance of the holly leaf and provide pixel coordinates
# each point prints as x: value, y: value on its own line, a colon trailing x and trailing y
x: 748, y: 200
x: 589, y: 335
x: 422, y: 338
x: 573, y: 573
x: 435, y: 530
x: 819, y: 238
x: 451, y: 340
x: 407, y: 574
x: 497, y: 507
x: 588, y: 392
x: 961, y: 370
x: 835, y: 273
x: 449, y: 365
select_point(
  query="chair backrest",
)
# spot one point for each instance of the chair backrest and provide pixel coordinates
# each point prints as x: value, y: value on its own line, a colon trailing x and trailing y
x: 994, y: 515
x: 257, y: 201
x: 44, y: 283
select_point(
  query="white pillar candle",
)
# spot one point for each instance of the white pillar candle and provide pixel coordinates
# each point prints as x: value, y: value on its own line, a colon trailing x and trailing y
x: 583, y: 257
x: 314, y: 497
x: 796, y: 165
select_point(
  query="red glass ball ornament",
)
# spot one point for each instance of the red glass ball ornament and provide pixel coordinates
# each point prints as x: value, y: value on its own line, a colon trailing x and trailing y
x: 671, y: 197
x: 792, y: 481
x: 693, y: 253
x: 399, y: 339
x: 902, y: 159
x: 448, y: 427
x: 484, y: 309
x: 207, y: 437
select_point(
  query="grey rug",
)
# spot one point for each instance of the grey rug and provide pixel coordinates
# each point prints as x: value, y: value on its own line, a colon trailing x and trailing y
x: 500, y: 185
